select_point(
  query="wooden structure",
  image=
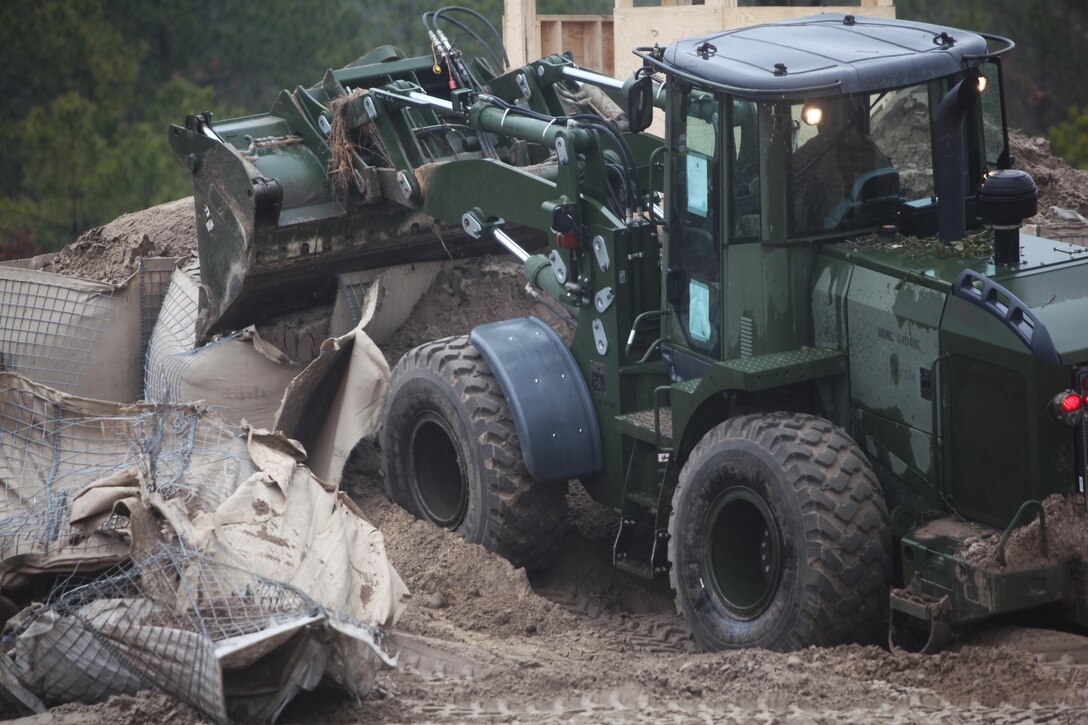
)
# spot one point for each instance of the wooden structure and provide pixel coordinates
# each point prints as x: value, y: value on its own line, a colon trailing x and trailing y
x: 604, y: 42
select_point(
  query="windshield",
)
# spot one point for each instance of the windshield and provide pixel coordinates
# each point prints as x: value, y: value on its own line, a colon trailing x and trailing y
x: 854, y: 158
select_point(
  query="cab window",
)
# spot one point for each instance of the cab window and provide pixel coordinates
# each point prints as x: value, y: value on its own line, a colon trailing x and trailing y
x: 695, y: 244
x: 744, y: 170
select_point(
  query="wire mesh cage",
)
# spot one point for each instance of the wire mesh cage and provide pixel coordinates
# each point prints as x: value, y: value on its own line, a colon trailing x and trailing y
x: 47, y: 330
x: 174, y: 620
x: 52, y: 448
x: 154, y: 278
x: 163, y: 613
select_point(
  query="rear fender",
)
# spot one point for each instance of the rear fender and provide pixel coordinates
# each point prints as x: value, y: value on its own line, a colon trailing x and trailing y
x: 548, y: 397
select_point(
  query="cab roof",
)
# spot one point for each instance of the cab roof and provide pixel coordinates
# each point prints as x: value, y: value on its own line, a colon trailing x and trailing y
x: 826, y: 54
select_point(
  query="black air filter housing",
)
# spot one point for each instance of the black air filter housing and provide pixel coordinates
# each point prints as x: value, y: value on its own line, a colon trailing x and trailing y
x: 1005, y: 199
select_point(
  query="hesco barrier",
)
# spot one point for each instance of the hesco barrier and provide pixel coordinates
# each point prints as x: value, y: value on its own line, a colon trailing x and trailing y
x: 207, y: 536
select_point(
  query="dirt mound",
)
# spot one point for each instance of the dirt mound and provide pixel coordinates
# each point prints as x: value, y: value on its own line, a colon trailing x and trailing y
x: 147, y: 707
x: 1059, y: 184
x: 458, y: 588
x: 467, y: 293
x: 111, y: 253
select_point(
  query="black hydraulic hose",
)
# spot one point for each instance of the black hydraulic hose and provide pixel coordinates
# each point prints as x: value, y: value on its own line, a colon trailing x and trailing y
x: 490, y: 26
x: 630, y: 195
x: 475, y: 36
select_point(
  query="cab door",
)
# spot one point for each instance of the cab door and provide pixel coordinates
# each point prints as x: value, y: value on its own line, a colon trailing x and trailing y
x: 693, y: 249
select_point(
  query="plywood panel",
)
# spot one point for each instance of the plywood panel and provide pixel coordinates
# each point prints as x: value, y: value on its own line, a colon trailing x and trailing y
x: 588, y: 37
x: 604, y: 43
x: 645, y: 26
x: 551, y: 37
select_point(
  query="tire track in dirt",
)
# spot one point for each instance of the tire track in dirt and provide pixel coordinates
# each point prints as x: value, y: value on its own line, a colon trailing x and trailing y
x: 638, y: 614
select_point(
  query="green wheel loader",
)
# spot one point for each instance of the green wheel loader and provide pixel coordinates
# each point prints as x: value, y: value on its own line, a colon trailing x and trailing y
x: 813, y: 356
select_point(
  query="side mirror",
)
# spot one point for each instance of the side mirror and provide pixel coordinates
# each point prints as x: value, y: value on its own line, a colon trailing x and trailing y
x: 640, y: 103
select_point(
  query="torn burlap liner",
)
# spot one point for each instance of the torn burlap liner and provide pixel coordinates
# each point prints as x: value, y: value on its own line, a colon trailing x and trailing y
x: 234, y: 576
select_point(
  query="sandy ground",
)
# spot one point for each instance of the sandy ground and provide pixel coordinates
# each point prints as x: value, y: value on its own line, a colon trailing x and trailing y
x: 481, y: 642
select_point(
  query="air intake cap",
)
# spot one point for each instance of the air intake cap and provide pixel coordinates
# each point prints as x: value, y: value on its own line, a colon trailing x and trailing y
x: 1005, y: 199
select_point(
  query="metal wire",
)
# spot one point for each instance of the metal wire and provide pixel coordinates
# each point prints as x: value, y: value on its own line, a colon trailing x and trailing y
x: 161, y: 622
x: 156, y: 619
x: 170, y: 350
x: 354, y: 294
x: 154, y: 282
x: 49, y: 451
x: 48, y: 331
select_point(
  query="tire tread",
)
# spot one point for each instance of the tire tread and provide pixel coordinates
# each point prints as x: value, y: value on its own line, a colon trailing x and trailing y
x: 525, y: 519
x: 847, y: 531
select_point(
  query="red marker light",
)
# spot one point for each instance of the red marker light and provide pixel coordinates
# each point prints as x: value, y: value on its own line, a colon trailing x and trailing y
x: 566, y: 240
x: 1071, y: 403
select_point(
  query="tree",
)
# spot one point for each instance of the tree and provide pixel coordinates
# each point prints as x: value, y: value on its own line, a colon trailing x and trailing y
x: 90, y: 87
x: 1070, y: 138
x: 1045, y: 74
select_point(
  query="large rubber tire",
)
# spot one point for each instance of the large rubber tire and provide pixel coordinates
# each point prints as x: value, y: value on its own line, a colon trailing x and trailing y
x: 450, y: 455
x: 779, y: 537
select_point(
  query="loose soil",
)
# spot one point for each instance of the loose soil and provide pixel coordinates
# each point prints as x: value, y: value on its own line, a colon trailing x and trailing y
x: 481, y: 642
x: 1066, y: 538
x: 111, y: 253
x: 1059, y: 184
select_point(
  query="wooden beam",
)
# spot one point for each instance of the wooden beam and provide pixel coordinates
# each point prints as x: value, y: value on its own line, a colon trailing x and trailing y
x: 520, y: 32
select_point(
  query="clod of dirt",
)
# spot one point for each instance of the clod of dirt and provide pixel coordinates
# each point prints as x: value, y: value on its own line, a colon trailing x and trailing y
x: 1067, y: 538
x: 111, y: 253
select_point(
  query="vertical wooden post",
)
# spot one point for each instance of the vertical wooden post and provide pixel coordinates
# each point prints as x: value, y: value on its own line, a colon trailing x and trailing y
x: 520, y: 32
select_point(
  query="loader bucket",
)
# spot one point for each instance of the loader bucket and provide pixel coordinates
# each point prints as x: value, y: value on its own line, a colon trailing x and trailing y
x: 288, y: 199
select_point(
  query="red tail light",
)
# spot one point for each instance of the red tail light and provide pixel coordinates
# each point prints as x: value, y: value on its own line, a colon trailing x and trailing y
x: 1068, y: 407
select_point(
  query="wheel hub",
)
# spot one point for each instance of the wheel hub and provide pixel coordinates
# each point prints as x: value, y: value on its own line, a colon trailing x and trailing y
x: 742, y: 559
x: 437, y: 473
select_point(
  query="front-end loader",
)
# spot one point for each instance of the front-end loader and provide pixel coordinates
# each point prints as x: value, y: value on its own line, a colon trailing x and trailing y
x: 813, y: 357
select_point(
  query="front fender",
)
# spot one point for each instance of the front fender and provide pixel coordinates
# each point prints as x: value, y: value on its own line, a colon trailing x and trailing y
x: 548, y: 397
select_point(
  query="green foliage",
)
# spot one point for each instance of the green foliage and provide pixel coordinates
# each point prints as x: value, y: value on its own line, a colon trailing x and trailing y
x: 90, y: 87
x: 1045, y: 74
x: 1070, y: 138
x: 83, y: 137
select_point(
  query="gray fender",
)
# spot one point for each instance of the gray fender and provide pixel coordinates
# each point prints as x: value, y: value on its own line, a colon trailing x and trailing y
x: 548, y: 397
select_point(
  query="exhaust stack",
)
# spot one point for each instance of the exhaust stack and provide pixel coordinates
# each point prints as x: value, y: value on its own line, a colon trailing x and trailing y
x: 948, y: 156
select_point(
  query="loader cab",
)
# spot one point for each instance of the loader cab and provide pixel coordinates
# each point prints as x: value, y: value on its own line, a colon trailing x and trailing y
x: 765, y: 167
